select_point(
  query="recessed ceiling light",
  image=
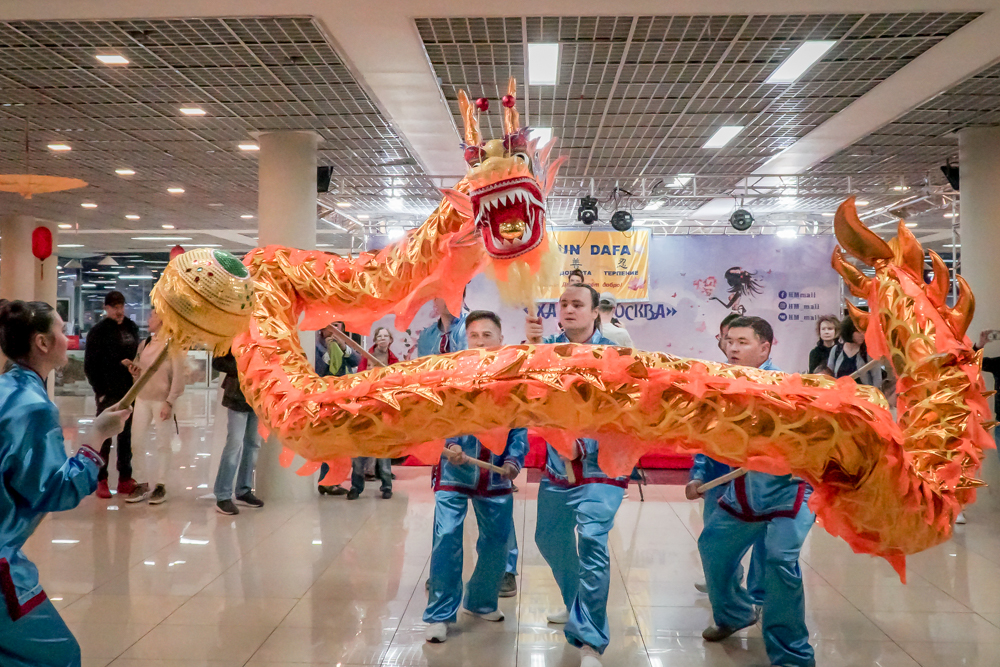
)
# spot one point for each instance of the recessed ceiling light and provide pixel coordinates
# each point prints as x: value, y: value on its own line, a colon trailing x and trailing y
x: 216, y: 205
x: 59, y: 147
x: 249, y: 147
x: 246, y: 216
x: 175, y: 191
x: 787, y: 232
x: 861, y: 202
x: 167, y: 226
x: 344, y: 204
x: 363, y: 216
x: 901, y: 188
x: 911, y: 224
x: 543, y: 64
x: 951, y: 215
x: 723, y: 136
x: 801, y: 59
x: 161, y: 238
x: 827, y: 215
x: 125, y: 172
x: 65, y: 225
x: 88, y: 204
x: 112, y: 59
x: 70, y: 245
x: 192, y: 111
x: 131, y: 216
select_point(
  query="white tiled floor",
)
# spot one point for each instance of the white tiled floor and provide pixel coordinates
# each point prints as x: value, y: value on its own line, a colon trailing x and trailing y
x: 332, y: 582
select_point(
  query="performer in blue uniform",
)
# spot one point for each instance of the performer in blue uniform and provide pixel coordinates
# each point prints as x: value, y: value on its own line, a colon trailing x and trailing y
x: 444, y: 336
x: 754, y: 506
x: 456, y: 481
x: 705, y: 470
x: 36, y: 477
x: 574, y: 518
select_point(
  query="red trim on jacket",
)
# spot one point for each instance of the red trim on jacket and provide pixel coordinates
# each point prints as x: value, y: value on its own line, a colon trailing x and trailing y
x: 581, y: 480
x: 740, y: 487
x: 15, y: 608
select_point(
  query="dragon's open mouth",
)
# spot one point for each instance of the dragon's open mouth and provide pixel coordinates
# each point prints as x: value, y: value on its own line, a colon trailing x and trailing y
x: 511, y: 215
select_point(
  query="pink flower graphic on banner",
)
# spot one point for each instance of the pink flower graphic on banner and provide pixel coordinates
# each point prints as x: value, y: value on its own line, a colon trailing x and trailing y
x: 706, y: 285
x: 636, y: 284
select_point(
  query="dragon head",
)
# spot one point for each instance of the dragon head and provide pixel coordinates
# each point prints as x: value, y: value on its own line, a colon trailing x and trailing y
x: 508, y: 179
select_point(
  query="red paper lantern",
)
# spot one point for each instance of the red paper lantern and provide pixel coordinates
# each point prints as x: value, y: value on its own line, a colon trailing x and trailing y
x: 41, y: 243
x: 176, y: 250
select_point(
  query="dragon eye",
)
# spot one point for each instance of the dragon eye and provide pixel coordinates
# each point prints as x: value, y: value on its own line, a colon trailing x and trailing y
x: 523, y: 157
x: 474, y: 155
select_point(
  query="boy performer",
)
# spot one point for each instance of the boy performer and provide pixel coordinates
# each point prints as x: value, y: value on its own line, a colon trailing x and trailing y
x: 574, y: 519
x: 754, y: 506
x: 456, y: 481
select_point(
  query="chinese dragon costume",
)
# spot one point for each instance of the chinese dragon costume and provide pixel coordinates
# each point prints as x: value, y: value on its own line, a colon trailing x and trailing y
x: 888, y: 486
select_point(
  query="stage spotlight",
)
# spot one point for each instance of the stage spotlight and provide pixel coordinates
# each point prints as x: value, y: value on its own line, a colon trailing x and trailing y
x: 621, y: 221
x: 950, y: 172
x: 587, y: 213
x: 741, y: 219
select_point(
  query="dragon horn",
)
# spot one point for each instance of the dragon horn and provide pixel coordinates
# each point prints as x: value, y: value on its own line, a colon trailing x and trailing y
x: 859, y: 316
x: 960, y: 316
x: 857, y: 239
x: 908, y: 251
x: 857, y: 282
x: 937, y: 291
x: 469, y: 118
x: 511, y: 119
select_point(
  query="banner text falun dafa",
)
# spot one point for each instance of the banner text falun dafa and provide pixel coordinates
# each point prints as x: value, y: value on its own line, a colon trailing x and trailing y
x: 611, y: 261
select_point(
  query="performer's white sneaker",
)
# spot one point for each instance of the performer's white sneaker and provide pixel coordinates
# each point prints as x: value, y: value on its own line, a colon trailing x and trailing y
x: 591, y: 658
x: 960, y: 519
x: 494, y: 616
x: 558, y: 617
x: 701, y: 587
x: 436, y: 633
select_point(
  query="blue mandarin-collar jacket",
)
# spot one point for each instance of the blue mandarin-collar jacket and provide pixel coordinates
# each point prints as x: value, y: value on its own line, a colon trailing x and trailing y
x: 758, y: 496
x: 473, y: 480
x: 585, y: 468
x: 429, y: 341
x: 36, y: 477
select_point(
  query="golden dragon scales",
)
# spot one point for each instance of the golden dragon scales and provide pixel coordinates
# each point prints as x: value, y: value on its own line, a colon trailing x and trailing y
x: 889, y: 487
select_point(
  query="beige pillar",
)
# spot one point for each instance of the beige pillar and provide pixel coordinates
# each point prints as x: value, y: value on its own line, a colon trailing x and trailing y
x: 286, y: 213
x: 22, y: 276
x: 979, y: 161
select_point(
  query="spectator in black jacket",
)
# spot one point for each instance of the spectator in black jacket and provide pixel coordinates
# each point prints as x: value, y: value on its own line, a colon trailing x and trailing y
x: 239, y: 456
x: 828, y: 329
x: 111, y: 345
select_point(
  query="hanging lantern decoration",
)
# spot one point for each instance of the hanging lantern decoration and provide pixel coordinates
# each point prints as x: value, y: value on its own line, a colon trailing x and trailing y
x: 176, y: 250
x: 41, y: 245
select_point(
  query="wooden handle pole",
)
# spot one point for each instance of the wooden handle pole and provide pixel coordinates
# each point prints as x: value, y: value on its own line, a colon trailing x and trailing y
x: 347, y: 340
x: 864, y: 369
x: 146, y: 376
x: 725, y: 479
x: 476, y: 462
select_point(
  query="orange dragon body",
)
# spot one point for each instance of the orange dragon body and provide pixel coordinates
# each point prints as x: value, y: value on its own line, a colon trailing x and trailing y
x: 889, y: 487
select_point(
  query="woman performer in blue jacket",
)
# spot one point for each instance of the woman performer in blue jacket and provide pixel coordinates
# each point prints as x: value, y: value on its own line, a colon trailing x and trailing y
x: 37, y: 477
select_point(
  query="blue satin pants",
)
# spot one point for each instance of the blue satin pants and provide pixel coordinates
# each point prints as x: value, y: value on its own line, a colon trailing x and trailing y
x: 723, y: 543
x: 40, y: 638
x: 572, y: 535
x: 755, y: 579
x: 495, y: 516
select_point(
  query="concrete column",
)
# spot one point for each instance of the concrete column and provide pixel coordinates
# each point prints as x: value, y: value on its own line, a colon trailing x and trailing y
x: 21, y: 275
x: 979, y: 162
x: 286, y: 213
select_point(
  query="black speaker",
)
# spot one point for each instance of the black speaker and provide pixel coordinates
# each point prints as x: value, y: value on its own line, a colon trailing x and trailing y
x: 621, y: 221
x: 741, y: 219
x: 950, y: 172
x: 323, y: 176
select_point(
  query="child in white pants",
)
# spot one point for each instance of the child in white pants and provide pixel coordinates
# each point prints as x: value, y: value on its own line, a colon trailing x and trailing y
x: 154, y: 411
